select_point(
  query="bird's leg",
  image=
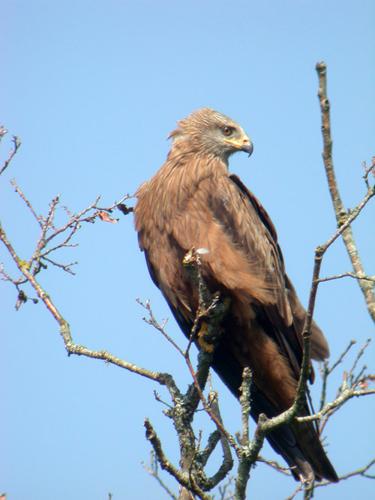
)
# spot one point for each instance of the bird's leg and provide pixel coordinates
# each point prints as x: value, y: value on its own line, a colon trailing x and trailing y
x: 210, y: 329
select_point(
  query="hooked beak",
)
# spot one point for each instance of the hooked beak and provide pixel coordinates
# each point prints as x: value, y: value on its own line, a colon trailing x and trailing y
x: 248, y: 147
x: 243, y: 144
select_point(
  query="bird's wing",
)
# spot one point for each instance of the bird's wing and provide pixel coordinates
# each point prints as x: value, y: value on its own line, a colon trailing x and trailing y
x: 242, y: 256
x: 319, y: 345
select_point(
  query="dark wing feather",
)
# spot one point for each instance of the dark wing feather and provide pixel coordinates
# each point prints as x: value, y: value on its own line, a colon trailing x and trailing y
x: 282, y: 330
x: 319, y: 346
x: 263, y: 215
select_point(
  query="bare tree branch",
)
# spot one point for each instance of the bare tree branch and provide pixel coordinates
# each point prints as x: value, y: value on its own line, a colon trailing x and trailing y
x: 341, y: 214
x: 183, y: 479
x: 65, y: 333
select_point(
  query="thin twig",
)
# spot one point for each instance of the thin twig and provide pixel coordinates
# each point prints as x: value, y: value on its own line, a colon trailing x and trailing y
x: 333, y: 406
x: 51, y: 233
x: 326, y: 371
x: 26, y: 201
x: 153, y: 470
x: 151, y: 320
x: 358, y: 357
x: 64, y: 267
x: 368, y: 170
x: 347, y: 275
x: 295, y: 492
x: 275, y: 465
x: 362, y: 472
x: 342, y: 356
x: 16, y: 145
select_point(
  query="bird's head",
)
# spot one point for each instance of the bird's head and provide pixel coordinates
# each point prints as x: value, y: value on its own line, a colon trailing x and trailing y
x: 208, y: 132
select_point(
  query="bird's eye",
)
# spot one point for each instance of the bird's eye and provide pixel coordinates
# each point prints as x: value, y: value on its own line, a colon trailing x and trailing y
x: 227, y: 131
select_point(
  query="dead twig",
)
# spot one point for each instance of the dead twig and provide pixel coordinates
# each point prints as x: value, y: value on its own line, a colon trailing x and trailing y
x: 347, y: 275
x: 53, y: 238
x: 16, y: 145
x: 26, y: 201
x: 153, y: 470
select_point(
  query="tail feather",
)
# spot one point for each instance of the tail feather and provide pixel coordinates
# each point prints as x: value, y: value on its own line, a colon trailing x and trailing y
x: 297, y: 443
x: 313, y: 451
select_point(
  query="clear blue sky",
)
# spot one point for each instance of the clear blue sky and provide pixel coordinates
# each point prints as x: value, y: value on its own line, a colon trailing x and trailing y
x: 93, y: 88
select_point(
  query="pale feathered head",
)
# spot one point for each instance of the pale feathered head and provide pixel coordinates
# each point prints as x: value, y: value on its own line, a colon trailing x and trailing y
x: 208, y: 132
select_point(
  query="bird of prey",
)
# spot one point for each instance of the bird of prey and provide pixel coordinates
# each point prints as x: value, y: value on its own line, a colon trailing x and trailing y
x: 193, y: 202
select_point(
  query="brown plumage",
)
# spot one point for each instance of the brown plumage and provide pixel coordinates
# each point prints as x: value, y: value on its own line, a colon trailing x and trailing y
x: 193, y: 202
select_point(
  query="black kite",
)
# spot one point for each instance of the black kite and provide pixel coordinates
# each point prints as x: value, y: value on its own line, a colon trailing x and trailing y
x: 193, y: 202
